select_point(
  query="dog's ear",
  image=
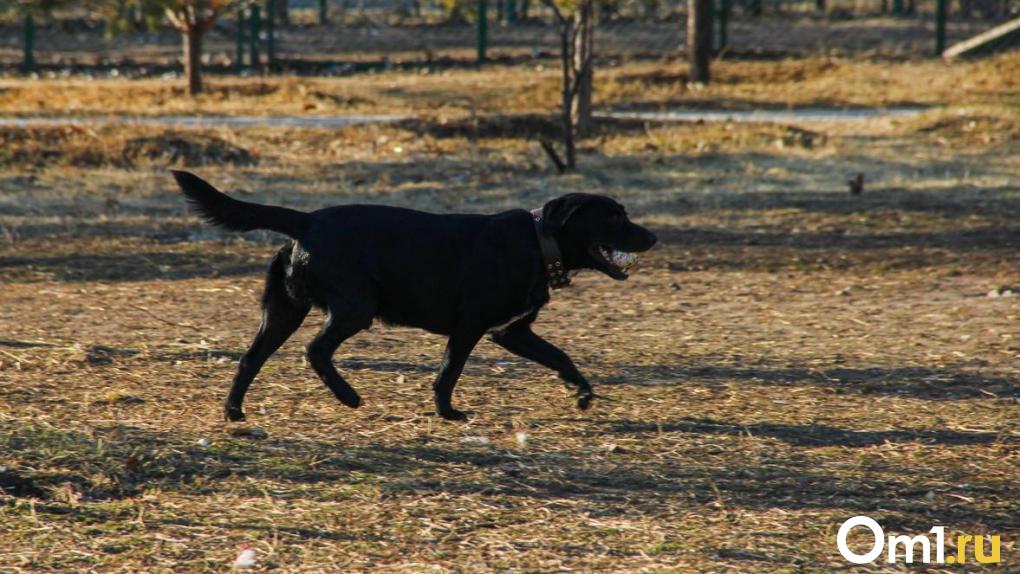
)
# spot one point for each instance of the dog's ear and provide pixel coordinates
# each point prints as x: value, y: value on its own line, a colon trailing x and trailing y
x: 556, y: 212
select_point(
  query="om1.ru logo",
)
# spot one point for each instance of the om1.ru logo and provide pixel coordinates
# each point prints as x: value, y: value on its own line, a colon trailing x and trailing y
x: 909, y: 544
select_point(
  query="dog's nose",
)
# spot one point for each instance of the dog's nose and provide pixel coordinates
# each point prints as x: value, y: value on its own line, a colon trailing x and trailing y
x: 652, y: 239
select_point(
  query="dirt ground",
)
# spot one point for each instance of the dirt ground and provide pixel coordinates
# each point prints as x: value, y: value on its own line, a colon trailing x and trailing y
x: 791, y: 355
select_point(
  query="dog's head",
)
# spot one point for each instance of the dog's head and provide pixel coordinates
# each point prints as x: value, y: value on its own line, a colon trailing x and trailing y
x: 593, y: 232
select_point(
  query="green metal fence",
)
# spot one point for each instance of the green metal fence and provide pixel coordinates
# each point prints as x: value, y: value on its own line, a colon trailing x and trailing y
x: 334, y: 37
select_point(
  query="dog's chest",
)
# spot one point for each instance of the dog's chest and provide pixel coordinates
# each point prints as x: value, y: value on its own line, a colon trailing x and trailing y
x: 534, y: 302
x: 513, y: 319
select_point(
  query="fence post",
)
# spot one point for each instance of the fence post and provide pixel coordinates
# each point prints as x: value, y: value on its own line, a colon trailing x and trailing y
x: 511, y: 11
x: 241, y: 23
x: 897, y: 7
x: 483, y: 29
x: 255, y: 22
x: 28, y: 59
x: 323, y: 13
x: 940, y: 27
x: 723, y: 17
x: 270, y: 33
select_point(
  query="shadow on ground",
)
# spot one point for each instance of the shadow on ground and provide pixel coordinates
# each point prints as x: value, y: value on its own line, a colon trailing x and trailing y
x: 607, y: 484
x: 915, y: 382
x: 140, y: 266
x: 809, y: 435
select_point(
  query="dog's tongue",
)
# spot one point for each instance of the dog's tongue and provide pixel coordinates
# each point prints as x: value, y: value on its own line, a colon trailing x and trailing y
x: 623, y: 260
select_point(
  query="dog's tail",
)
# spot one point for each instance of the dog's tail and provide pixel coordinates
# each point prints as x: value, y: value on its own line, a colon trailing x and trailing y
x: 220, y: 209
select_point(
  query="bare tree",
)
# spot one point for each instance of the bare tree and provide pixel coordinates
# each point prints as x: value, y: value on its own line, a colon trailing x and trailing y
x: 577, y: 32
x: 192, y: 18
x: 699, y: 39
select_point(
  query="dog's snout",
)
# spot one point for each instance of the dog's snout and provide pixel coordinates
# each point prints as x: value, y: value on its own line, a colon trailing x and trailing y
x: 652, y: 239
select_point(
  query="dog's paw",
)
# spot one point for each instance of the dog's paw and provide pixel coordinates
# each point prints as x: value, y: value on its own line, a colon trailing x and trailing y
x: 452, y: 414
x: 351, y: 399
x: 233, y: 414
x: 584, y: 401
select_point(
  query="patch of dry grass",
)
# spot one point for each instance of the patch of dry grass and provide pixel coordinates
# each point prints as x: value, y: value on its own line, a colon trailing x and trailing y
x: 85, y: 147
x: 737, y: 84
x: 819, y: 82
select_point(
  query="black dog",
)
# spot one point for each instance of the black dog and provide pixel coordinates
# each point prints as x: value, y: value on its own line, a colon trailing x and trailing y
x: 457, y: 275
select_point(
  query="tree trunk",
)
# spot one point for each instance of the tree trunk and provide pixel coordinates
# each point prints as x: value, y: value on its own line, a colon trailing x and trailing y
x: 699, y: 39
x: 192, y: 38
x: 567, y: 111
x: 583, y: 67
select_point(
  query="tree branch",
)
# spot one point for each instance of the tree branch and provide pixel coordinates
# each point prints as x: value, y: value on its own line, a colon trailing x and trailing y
x: 575, y: 86
x: 175, y: 20
x: 217, y: 9
x: 556, y: 10
x: 553, y: 156
x: 575, y: 30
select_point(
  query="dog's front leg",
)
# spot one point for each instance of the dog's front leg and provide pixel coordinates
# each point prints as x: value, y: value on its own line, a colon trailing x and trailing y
x: 520, y: 340
x: 458, y: 348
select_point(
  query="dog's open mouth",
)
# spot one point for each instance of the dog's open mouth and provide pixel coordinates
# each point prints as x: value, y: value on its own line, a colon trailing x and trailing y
x: 614, y: 263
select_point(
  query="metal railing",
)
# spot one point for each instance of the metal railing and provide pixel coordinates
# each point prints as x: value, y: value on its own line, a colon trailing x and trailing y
x: 340, y: 36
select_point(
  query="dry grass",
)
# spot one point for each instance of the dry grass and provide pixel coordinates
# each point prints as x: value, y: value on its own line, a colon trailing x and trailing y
x: 744, y: 425
x: 738, y: 84
x: 790, y: 356
x: 830, y: 81
x: 111, y: 146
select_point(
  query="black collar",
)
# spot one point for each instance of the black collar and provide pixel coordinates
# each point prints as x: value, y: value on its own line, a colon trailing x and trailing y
x: 552, y: 261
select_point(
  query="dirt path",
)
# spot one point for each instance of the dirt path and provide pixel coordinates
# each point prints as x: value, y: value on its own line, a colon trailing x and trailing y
x: 806, y: 115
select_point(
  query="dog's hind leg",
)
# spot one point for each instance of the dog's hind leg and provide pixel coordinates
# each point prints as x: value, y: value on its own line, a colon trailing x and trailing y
x: 344, y: 319
x: 281, y: 316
